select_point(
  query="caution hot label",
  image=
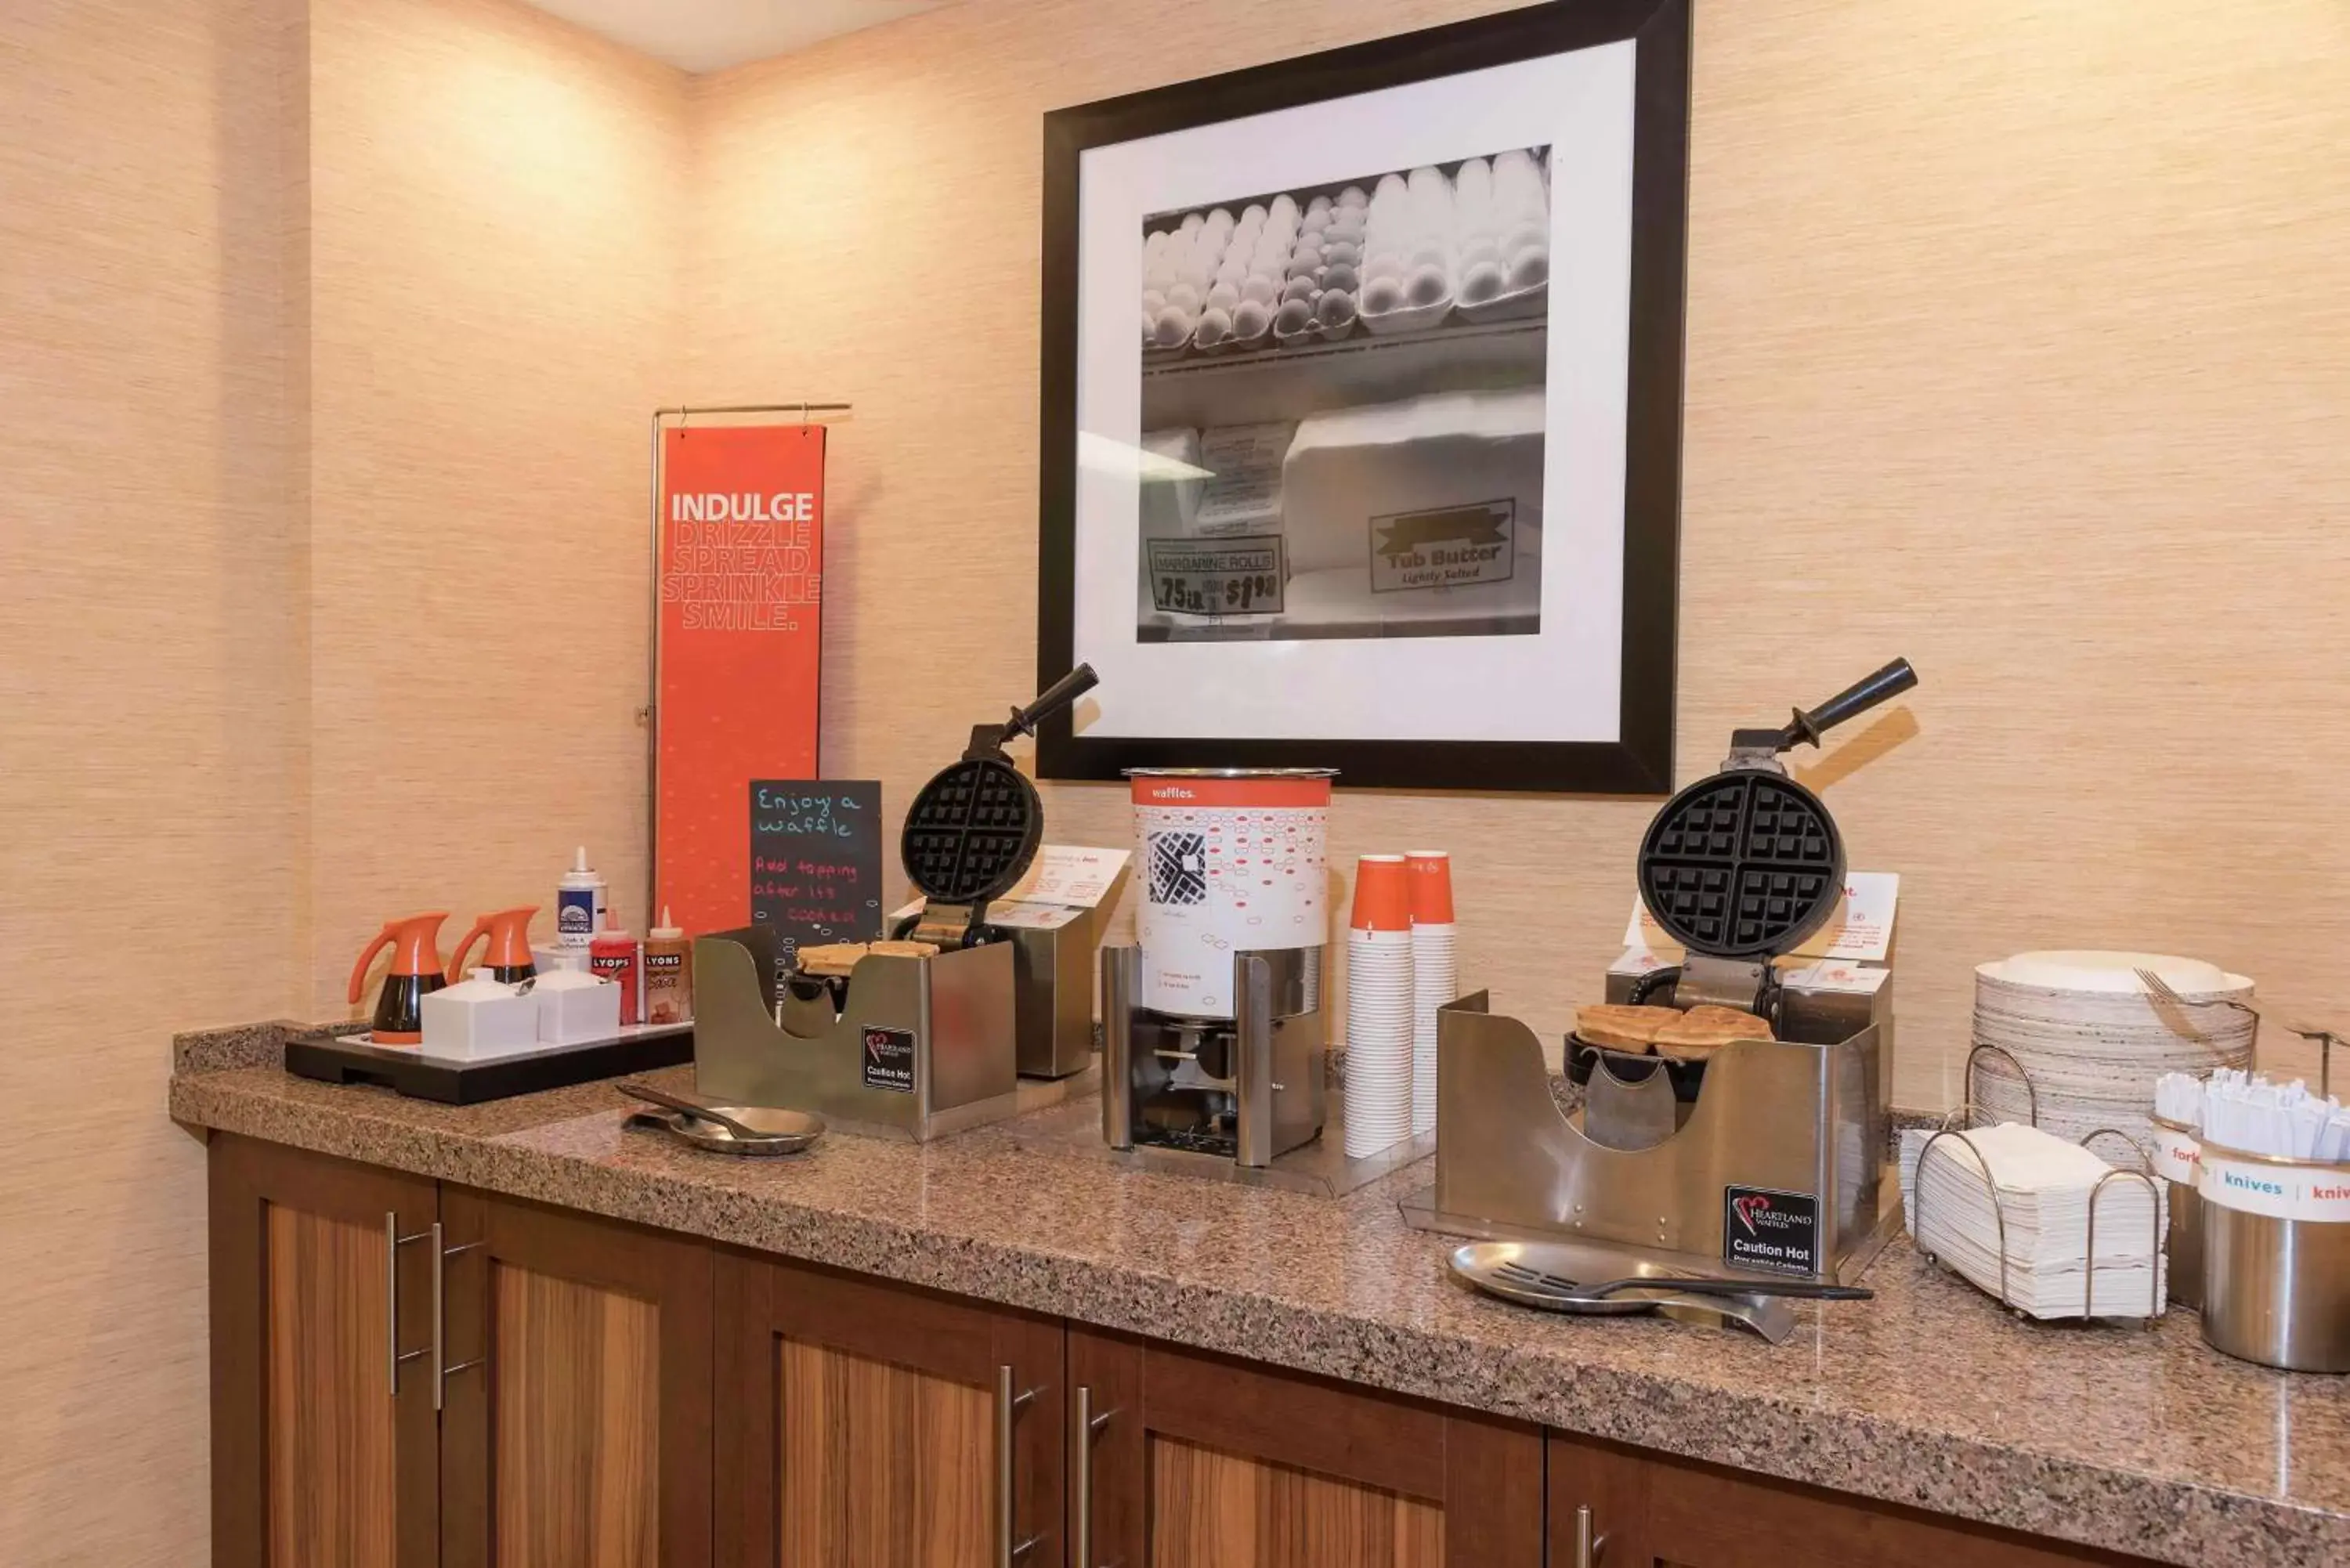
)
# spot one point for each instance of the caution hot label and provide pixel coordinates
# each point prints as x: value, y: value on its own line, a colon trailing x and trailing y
x: 1449, y: 547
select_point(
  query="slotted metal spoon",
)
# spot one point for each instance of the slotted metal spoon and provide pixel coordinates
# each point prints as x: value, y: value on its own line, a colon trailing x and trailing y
x: 1530, y: 1275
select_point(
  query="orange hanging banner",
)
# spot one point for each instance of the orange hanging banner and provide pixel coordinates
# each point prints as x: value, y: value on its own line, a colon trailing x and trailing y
x: 740, y: 574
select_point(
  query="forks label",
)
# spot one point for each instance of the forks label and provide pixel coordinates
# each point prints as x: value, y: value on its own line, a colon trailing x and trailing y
x: 1762, y: 1228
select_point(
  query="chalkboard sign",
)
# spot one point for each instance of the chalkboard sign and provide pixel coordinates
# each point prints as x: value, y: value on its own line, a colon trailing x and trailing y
x: 816, y: 861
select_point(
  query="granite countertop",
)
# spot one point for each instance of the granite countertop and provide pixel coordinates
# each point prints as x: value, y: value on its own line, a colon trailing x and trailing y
x: 2138, y: 1442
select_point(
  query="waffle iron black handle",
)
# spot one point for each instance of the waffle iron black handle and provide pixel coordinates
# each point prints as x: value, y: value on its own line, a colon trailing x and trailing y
x: 1057, y: 696
x: 1851, y: 702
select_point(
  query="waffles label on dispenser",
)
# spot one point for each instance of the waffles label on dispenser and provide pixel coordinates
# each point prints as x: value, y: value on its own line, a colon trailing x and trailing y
x: 1764, y: 1229
x: 1228, y: 864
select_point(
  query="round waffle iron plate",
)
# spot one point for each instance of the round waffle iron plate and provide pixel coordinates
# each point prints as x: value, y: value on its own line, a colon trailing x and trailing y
x: 1743, y: 865
x: 972, y: 832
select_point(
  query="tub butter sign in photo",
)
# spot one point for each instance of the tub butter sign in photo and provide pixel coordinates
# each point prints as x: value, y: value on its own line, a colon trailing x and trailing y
x: 1450, y: 547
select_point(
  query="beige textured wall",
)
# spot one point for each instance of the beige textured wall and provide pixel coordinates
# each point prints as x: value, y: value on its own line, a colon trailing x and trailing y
x: 282, y: 481
x: 2017, y: 344
x: 149, y: 723
x: 499, y: 203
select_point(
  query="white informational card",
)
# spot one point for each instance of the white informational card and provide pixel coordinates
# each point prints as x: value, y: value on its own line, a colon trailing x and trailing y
x: 1033, y: 916
x: 1062, y: 883
x: 1834, y: 974
x: 1071, y: 875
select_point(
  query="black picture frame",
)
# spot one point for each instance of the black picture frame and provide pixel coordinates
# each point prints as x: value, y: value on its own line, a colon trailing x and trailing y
x: 1640, y: 762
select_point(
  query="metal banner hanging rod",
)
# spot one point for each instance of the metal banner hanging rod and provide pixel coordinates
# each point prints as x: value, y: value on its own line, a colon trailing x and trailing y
x: 803, y: 409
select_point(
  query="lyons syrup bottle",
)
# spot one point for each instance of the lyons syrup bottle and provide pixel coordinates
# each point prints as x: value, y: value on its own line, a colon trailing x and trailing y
x: 669, y: 974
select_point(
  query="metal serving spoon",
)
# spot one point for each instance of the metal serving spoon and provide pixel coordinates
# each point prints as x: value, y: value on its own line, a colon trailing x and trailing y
x: 668, y: 1101
x: 1516, y: 1272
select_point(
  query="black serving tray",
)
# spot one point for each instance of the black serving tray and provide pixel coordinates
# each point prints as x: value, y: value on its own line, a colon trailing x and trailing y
x: 410, y: 1072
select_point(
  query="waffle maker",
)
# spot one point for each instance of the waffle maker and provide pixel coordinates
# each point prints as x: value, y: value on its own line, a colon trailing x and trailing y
x: 1740, y: 869
x: 973, y: 829
x: 1769, y: 1157
x: 910, y: 1044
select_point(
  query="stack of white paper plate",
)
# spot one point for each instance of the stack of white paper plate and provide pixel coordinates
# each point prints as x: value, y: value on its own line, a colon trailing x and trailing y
x: 2045, y: 1186
x: 2085, y: 1030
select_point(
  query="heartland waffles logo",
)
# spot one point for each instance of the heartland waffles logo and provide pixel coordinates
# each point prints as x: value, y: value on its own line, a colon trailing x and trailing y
x: 889, y: 1060
x: 1766, y: 1229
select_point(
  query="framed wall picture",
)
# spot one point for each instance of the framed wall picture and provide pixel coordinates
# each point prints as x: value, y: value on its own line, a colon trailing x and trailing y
x: 1362, y: 387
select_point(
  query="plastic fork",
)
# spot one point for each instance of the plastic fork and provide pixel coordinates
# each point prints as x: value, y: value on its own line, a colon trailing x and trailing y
x: 2160, y: 989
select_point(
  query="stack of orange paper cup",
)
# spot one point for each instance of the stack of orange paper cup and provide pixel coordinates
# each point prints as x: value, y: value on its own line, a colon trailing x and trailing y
x: 1435, y: 969
x: 1379, y: 1007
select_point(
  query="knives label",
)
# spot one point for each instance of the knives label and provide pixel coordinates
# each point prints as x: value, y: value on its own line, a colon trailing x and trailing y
x: 2285, y: 1191
x: 889, y: 1060
x: 1765, y: 1228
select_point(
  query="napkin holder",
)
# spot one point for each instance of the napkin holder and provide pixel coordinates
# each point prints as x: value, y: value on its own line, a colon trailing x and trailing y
x: 2149, y: 1310
x: 1779, y: 1167
x: 921, y: 1048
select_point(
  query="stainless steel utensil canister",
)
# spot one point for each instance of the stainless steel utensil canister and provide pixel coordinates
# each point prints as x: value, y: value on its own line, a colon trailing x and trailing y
x: 2276, y: 1259
x: 2177, y: 1151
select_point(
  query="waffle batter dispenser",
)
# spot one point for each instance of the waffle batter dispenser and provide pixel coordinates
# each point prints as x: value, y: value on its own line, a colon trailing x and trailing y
x: 1770, y: 1156
x: 1213, y: 1032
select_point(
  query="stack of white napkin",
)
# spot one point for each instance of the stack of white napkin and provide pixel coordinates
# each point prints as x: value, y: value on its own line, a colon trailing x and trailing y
x: 2044, y: 1185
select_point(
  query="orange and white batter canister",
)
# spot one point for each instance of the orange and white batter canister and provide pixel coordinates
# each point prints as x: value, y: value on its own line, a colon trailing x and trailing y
x: 1232, y: 860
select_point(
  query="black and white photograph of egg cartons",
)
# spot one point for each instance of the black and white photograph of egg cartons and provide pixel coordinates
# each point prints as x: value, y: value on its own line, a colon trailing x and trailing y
x: 1343, y: 406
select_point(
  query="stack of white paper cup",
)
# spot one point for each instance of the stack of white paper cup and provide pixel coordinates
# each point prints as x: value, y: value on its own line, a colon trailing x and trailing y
x: 1435, y: 970
x: 1379, y: 1007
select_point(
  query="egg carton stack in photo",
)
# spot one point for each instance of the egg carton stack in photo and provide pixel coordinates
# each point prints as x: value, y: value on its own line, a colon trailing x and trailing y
x: 1304, y: 267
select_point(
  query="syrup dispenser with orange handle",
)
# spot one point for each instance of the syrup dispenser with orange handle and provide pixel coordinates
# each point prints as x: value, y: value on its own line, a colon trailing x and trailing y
x: 508, y: 958
x: 415, y: 944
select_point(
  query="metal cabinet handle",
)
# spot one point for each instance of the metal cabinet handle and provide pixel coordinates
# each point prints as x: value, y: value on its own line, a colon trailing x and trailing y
x: 1088, y: 1425
x: 392, y: 1242
x: 1587, y: 1546
x: 1007, y: 1406
x: 442, y: 1370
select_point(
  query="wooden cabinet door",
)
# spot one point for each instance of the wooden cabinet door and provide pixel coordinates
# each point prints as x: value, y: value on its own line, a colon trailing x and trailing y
x: 865, y: 1425
x: 324, y: 1448
x: 575, y: 1427
x: 1647, y: 1511
x: 1189, y: 1460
